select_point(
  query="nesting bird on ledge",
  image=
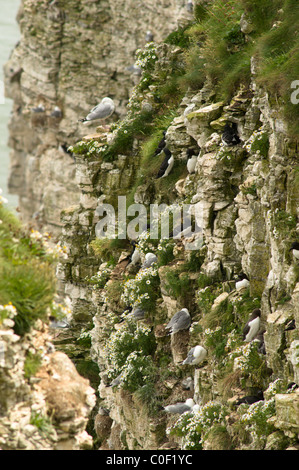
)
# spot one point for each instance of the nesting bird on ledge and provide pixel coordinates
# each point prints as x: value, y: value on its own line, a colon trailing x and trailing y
x: 102, y: 111
x: 252, y: 326
x: 181, y: 320
x: 230, y: 134
x: 166, y: 165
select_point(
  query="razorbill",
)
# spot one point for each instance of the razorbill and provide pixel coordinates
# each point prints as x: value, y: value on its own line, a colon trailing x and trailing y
x: 161, y: 144
x: 295, y: 249
x: 102, y: 111
x: 250, y: 399
x: 195, y: 356
x: 181, y: 320
x: 252, y: 327
x: 166, y: 165
x: 230, y: 134
x: 242, y: 281
x: 180, y: 407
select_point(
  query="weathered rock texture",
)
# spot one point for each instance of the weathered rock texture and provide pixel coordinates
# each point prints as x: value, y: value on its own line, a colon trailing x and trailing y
x: 70, y: 55
x: 42, y: 410
x: 249, y: 200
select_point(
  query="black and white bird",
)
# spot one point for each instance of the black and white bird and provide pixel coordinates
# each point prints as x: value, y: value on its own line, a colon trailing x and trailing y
x: 180, y: 407
x: 295, y: 249
x: 195, y: 356
x: 161, y: 144
x: 100, y: 112
x: 250, y: 399
x: 166, y: 165
x: 242, y: 281
x: 252, y: 327
x: 134, y: 257
x: 181, y: 320
x: 230, y: 134
x: 192, y: 160
x: 150, y: 259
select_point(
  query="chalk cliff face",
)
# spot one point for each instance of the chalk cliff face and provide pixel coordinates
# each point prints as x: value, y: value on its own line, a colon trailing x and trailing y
x: 71, y: 54
x: 247, y: 195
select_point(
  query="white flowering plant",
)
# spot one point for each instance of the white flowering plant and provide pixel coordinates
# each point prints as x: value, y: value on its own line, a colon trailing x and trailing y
x: 7, y: 311
x: 195, y: 426
x: 256, y: 417
x: 60, y: 310
x: 143, y: 290
x: 42, y: 244
x: 99, y: 279
x: 258, y: 143
x: 129, y: 351
x: 147, y: 57
x: 249, y: 362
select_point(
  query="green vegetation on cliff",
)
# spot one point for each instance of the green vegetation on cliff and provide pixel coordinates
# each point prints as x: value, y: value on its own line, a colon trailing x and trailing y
x: 27, y: 274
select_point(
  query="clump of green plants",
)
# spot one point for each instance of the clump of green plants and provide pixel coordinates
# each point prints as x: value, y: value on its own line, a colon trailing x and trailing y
x: 179, y: 37
x: 177, y: 283
x: 27, y: 271
x: 41, y: 422
x: 283, y: 223
x: 108, y: 250
x: 143, y: 290
x: 250, y: 363
x: 130, y: 352
x: 255, y: 419
x: 258, y: 143
x: 194, y: 427
x: 99, y: 280
x: 165, y: 251
x: 32, y: 364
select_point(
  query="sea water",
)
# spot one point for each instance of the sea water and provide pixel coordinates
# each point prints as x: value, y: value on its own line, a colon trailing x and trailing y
x: 9, y: 36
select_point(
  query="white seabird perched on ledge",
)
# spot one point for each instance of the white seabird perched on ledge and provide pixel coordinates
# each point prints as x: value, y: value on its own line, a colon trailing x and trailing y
x: 242, y: 281
x: 195, y: 356
x: 102, y: 111
x: 180, y: 407
x: 181, y: 320
x: 150, y: 258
